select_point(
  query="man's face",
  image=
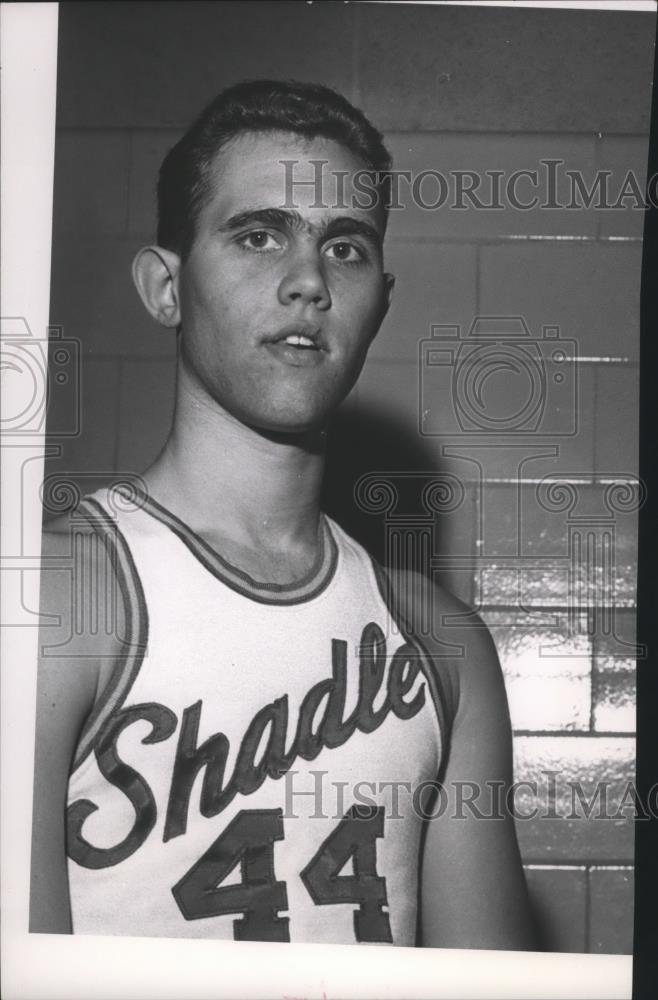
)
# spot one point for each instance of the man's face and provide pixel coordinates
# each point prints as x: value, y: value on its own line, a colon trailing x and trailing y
x: 279, y: 304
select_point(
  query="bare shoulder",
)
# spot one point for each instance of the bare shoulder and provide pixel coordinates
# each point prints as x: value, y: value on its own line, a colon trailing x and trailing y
x: 61, y: 576
x: 457, y: 640
x: 81, y: 618
x: 81, y: 604
x: 473, y: 893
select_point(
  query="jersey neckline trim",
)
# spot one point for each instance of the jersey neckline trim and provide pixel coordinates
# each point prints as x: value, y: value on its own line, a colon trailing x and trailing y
x: 316, y: 580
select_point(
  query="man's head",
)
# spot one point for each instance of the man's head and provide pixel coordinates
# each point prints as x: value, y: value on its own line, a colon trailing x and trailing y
x: 305, y: 109
x: 277, y: 294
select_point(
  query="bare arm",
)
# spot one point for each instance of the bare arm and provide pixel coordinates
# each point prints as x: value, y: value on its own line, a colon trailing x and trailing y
x: 71, y: 660
x: 473, y: 887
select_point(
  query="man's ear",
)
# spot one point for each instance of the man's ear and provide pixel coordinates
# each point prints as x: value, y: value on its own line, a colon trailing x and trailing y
x: 389, y: 281
x: 387, y: 295
x: 155, y: 273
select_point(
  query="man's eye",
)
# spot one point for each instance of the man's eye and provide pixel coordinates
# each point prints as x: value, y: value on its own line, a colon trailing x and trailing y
x: 345, y: 252
x: 259, y: 239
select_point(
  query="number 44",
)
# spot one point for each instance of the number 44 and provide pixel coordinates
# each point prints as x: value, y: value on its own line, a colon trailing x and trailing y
x: 249, y: 839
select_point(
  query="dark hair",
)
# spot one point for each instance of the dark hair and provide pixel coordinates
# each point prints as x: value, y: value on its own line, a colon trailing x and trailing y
x: 307, y: 109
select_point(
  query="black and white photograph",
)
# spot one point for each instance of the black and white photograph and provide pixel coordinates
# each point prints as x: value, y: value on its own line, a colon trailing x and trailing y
x: 333, y: 432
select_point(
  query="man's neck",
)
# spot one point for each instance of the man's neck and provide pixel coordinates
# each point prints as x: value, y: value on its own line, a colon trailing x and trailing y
x: 231, y: 482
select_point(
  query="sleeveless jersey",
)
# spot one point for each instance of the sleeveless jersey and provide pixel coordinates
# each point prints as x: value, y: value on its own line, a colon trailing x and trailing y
x: 252, y: 770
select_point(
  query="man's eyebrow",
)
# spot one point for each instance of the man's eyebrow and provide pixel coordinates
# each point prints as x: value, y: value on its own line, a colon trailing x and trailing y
x: 343, y: 225
x: 283, y: 218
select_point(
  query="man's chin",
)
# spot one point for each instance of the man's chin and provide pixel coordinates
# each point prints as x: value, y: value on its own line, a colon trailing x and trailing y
x: 307, y: 433
x: 291, y: 419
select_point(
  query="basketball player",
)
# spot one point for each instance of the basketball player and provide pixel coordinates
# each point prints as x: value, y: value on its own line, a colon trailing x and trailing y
x: 218, y: 759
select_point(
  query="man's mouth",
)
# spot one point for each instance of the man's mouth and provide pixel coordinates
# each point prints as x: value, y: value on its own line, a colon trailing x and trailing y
x: 300, y: 340
x: 301, y: 335
x: 298, y: 344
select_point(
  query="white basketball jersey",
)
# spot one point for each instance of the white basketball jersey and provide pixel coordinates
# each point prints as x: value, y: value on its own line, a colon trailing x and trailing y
x: 252, y: 770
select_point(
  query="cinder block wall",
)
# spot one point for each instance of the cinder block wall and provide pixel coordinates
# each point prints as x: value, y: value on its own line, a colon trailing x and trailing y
x: 453, y: 89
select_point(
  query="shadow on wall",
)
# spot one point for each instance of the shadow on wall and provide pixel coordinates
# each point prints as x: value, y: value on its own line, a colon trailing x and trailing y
x: 373, y: 442
x: 378, y: 453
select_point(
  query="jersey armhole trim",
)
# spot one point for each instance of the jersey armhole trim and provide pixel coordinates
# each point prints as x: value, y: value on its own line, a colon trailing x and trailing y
x: 137, y: 625
x: 444, y: 716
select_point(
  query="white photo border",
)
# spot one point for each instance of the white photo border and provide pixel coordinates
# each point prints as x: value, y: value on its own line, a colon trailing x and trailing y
x: 52, y: 966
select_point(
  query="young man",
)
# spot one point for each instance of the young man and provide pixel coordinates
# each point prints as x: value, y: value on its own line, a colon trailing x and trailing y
x: 217, y: 750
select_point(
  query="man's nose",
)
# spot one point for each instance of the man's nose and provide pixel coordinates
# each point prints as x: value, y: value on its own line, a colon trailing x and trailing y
x: 305, y: 281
